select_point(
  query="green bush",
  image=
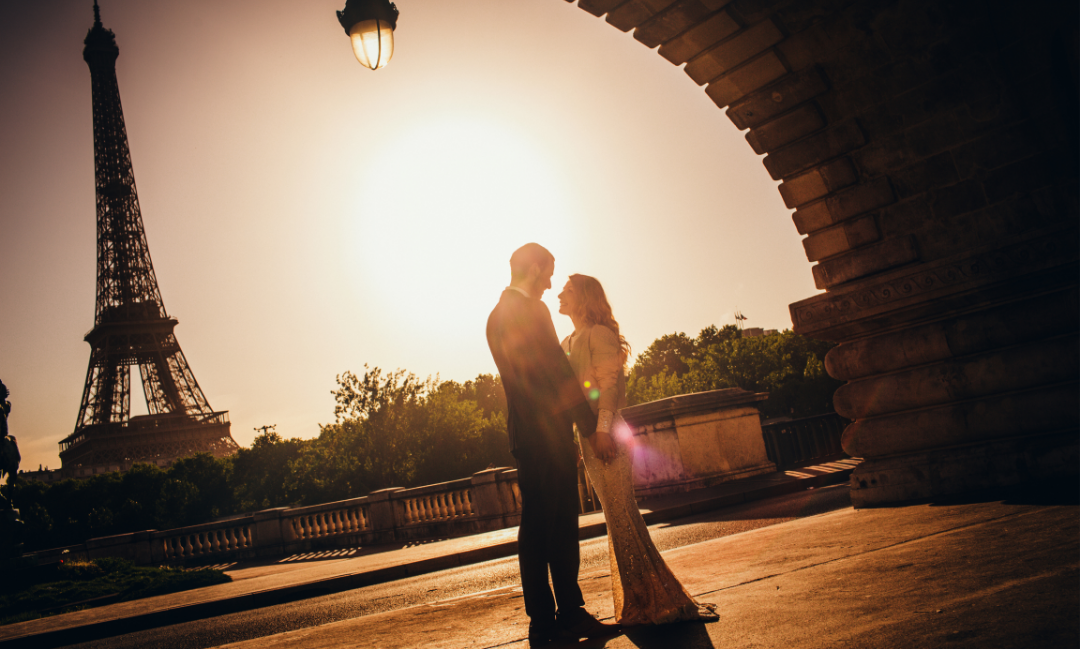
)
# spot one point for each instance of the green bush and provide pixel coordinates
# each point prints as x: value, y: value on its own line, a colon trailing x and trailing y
x: 390, y: 430
x: 79, y: 570
x: 49, y: 590
x: 786, y: 365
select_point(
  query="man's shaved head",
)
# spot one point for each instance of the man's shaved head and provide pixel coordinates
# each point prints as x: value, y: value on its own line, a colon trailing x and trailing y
x: 526, y: 256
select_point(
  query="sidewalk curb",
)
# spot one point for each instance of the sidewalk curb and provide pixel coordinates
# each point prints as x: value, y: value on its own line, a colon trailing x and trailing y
x: 272, y: 597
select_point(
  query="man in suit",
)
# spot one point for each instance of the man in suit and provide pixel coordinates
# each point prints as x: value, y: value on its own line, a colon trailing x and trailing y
x: 544, y: 402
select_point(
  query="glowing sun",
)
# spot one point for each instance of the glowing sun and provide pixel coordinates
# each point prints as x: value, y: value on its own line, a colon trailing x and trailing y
x: 439, y: 211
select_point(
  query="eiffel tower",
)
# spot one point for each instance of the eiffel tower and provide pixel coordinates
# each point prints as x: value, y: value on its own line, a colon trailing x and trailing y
x: 131, y: 326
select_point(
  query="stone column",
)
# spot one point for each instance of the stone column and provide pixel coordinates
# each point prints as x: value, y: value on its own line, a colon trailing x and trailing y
x: 509, y: 496
x: 976, y: 399
x: 144, y: 554
x: 930, y: 153
x: 382, y: 514
x: 486, y: 501
x: 268, y: 537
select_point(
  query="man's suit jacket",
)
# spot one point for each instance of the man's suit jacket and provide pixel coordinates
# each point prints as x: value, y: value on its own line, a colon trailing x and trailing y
x: 542, y: 395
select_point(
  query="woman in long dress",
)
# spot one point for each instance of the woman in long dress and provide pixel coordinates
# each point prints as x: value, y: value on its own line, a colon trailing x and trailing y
x: 643, y: 587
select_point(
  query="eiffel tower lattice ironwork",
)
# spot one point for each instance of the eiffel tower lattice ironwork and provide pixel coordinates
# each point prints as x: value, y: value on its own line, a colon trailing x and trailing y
x: 131, y: 326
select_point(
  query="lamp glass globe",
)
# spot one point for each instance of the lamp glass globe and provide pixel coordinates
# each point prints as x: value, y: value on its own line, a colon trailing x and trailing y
x: 372, y: 43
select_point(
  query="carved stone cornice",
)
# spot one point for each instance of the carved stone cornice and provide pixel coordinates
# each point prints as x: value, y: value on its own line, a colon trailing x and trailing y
x: 694, y: 403
x: 935, y: 289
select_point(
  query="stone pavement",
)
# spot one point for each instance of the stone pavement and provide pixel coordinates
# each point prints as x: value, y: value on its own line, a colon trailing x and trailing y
x: 990, y: 573
x: 262, y: 584
x: 979, y: 574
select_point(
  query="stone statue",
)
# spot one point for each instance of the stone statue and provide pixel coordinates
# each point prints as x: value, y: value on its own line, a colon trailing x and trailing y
x: 10, y: 523
x: 9, y: 448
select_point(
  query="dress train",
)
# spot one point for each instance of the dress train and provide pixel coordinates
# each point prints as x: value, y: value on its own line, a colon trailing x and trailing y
x: 644, y: 589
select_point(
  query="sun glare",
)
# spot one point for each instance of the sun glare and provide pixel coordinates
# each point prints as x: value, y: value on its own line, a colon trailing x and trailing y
x: 438, y: 213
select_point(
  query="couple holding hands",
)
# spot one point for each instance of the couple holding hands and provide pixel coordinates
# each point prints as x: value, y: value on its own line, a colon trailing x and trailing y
x: 550, y: 387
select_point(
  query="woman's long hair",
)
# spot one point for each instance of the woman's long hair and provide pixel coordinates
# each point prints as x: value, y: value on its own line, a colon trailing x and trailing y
x: 596, y: 311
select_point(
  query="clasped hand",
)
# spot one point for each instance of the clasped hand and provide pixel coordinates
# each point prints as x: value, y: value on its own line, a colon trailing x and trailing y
x: 603, y: 446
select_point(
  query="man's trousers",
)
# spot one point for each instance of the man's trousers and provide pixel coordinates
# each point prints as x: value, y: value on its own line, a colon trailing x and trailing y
x: 548, y: 535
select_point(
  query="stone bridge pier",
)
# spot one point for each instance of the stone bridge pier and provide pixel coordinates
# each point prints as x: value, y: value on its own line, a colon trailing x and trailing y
x: 929, y: 152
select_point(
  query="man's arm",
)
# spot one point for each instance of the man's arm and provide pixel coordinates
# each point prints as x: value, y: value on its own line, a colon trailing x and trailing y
x: 536, y: 363
x: 569, y: 397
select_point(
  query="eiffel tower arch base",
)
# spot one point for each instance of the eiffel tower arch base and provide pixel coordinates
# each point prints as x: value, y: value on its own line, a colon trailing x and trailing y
x: 149, y: 439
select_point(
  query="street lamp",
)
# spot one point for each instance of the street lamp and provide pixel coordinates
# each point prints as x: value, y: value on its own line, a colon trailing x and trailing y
x: 370, y: 25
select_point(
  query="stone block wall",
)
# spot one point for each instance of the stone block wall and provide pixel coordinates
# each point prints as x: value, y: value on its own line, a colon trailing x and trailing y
x: 929, y: 151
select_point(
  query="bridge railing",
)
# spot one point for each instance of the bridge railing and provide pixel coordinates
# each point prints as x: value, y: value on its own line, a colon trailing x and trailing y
x: 797, y: 442
x: 197, y: 541
x: 485, y: 501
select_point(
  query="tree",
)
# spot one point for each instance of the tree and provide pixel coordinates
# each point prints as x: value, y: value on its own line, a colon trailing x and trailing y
x: 450, y: 445
x: 390, y: 430
x: 200, y: 486
x: 667, y: 354
x: 488, y: 393
x: 710, y: 336
x: 261, y: 474
x: 329, y: 467
x: 786, y: 365
x: 141, y: 485
x: 372, y: 443
x: 642, y: 389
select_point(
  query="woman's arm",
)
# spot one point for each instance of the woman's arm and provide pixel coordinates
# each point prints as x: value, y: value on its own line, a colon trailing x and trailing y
x: 606, y: 366
x: 606, y: 359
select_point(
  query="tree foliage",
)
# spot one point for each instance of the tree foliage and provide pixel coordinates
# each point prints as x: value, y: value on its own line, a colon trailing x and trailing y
x: 786, y: 365
x: 193, y: 490
x: 261, y: 474
x: 666, y: 355
x: 390, y: 430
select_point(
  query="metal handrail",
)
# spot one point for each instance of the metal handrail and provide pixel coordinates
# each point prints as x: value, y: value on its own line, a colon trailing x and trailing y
x: 797, y: 442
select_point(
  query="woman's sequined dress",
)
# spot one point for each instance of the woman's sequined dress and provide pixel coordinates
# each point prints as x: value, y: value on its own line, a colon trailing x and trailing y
x: 643, y: 587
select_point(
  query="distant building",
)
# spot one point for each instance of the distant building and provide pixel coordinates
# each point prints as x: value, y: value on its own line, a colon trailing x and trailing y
x: 41, y: 475
x: 83, y: 471
x: 757, y: 332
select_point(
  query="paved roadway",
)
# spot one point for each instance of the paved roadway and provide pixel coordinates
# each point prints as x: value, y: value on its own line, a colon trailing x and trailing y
x: 467, y: 580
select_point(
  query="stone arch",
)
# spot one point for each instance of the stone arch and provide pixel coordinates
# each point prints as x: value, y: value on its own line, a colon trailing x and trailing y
x: 929, y: 153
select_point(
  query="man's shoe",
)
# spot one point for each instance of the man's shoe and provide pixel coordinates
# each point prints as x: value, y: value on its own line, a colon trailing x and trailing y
x: 578, y: 624
x: 542, y: 635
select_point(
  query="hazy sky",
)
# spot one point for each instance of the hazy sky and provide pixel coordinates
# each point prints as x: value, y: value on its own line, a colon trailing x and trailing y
x: 307, y: 216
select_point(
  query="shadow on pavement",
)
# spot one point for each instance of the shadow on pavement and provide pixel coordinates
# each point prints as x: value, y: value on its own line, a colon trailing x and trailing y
x: 685, y: 635
x: 785, y: 506
x: 689, y: 635
x: 1056, y: 490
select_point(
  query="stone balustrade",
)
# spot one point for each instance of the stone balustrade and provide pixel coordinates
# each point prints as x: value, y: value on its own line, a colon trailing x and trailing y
x: 488, y: 500
x: 318, y: 521
x: 678, y: 444
x: 197, y: 541
x: 441, y: 502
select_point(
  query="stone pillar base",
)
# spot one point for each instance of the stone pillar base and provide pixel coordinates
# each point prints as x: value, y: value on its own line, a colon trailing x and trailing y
x: 696, y: 440
x: 949, y: 472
